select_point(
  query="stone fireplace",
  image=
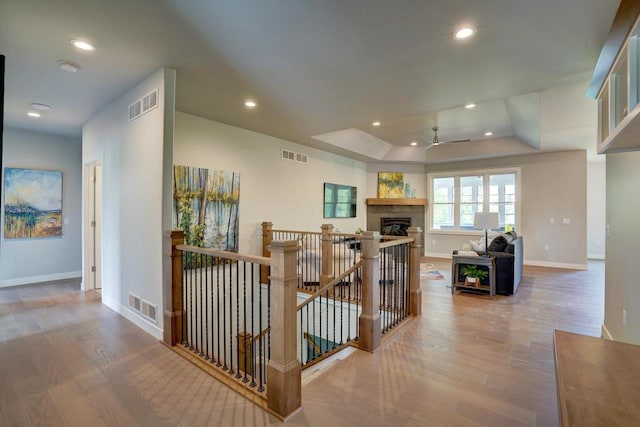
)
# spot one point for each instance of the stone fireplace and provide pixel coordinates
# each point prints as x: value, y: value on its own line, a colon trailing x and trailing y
x: 396, y: 213
x: 394, y: 226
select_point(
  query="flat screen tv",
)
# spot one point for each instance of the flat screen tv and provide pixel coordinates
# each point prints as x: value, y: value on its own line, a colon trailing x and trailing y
x: 340, y: 201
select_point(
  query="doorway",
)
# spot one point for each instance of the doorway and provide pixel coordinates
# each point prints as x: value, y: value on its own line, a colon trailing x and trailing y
x: 93, y: 228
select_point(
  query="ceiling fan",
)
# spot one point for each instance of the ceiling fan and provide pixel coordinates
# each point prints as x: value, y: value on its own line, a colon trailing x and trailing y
x: 437, y: 141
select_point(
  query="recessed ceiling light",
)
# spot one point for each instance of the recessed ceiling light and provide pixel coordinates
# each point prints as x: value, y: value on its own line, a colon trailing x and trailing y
x: 470, y: 106
x: 250, y: 104
x: 33, y: 114
x: 68, y: 66
x: 41, y: 107
x: 414, y: 143
x: 488, y: 133
x: 375, y: 124
x: 464, y: 33
x: 83, y: 45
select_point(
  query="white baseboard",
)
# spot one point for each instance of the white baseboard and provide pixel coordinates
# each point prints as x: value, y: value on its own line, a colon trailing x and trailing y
x: 526, y: 262
x: 40, y: 279
x: 606, y: 334
x: 564, y: 265
x: 133, y: 317
x: 438, y: 255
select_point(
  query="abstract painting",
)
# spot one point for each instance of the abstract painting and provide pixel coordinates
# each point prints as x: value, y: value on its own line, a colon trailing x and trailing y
x: 206, y: 205
x: 390, y: 185
x: 32, y: 204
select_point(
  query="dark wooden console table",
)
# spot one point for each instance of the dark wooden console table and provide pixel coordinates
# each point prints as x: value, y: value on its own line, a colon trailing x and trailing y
x: 598, y: 381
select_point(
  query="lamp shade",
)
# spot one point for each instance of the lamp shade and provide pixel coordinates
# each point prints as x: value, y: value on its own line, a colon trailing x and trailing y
x: 486, y: 220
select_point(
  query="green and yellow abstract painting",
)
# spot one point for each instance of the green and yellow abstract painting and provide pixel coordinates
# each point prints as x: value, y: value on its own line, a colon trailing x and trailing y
x: 390, y: 185
x: 33, y: 203
x: 205, y: 207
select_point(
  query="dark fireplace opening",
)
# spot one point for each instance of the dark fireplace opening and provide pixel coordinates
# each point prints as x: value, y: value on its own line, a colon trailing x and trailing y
x: 394, y: 226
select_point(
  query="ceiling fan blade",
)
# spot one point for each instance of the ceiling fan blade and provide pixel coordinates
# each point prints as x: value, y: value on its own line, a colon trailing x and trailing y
x: 456, y: 141
x: 429, y: 146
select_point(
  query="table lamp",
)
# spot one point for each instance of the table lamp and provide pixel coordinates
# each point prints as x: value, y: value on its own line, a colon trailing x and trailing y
x: 486, y: 221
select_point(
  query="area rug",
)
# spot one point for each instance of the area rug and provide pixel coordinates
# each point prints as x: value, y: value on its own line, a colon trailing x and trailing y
x: 429, y: 271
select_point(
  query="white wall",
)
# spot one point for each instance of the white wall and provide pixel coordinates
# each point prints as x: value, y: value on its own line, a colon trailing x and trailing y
x: 133, y: 157
x: 414, y: 174
x: 553, y: 185
x: 622, y: 291
x: 596, y: 208
x: 35, y: 260
x: 287, y: 193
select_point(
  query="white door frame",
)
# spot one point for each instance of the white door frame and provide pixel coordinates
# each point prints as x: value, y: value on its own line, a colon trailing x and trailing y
x: 92, y: 227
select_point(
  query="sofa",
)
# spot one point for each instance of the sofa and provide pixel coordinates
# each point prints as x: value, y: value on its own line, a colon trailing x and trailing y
x: 507, y: 249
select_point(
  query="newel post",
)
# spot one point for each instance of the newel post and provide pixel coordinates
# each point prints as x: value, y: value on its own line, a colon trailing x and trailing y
x: 284, y: 393
x: 267, y: 237
x: 369, y: 321
x: 172, y: 329
x: 326, y: 274
x: 415, y: 292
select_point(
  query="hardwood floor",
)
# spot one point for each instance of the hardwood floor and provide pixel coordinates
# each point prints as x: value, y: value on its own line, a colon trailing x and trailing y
x: 65, y: 359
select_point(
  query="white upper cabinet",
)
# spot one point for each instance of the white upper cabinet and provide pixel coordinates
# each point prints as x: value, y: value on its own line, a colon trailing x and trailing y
x: 617, y: 82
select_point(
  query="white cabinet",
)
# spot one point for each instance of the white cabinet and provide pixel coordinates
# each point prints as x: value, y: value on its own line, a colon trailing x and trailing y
x: 618, y: 99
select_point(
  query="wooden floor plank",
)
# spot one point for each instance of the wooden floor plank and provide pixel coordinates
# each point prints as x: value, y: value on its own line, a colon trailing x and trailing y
x: 67, y: 360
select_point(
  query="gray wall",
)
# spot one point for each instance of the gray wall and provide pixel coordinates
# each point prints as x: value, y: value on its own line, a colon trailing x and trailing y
x: 622, y: 289
x: 596, y: 208
x: 36, y: 260
x: 553, y: 185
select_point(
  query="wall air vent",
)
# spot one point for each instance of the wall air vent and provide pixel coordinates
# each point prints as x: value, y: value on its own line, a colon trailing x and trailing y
x: 149, y: 310
x: 135, y: 110
x: 288, y: 155
x: 134, y: 302
x: 143, y: 105
x: 296, y: 157
x: 150, y: 101
x: 146, y: 309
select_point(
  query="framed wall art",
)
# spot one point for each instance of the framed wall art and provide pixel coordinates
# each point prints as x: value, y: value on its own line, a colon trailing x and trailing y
x: 32, y: 203
x: 390, y: 185
x: 339, y: 201
x: 206, y: 206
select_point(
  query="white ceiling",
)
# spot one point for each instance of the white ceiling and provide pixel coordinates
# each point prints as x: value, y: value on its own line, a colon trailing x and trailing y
x: 323, y: 68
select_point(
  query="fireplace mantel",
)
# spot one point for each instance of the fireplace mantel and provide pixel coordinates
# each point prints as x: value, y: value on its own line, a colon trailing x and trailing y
x: 397, y: 202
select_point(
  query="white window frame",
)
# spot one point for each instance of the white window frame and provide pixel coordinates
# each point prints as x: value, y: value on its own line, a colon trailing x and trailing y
x: 456, y: 175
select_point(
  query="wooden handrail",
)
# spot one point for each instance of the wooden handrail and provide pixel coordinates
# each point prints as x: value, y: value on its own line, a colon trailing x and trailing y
x: 329, y: 285
x: 261, y: 334
x: 313, y: 343
x: 225, y: 254
x: 347, y: 235
x: 396, y: 242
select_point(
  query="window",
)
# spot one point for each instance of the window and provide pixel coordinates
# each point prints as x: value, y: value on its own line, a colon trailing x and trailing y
x: 470, y: 199
x: 443, y: 202
x: 502, y: 198
x: 456, y: 197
